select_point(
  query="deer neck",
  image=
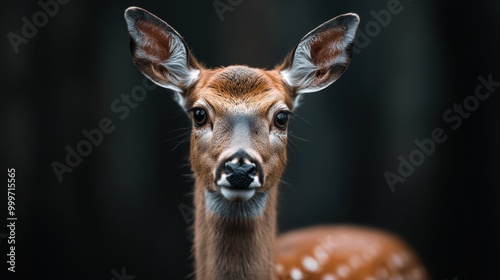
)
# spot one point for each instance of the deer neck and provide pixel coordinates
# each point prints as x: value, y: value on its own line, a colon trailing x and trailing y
x: 236, y: 248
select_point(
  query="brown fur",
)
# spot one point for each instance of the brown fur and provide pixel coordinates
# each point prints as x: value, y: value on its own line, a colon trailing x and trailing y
x: 241, y: 249
x: 321, y: 50
x: 158, y: 45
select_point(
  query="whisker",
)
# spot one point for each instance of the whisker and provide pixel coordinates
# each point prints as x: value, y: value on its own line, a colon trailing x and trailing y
x: 285, y: 183
x: 291, y: 140
x: 181, y: 112
x: 300, y: 117
x: 292, y: 143
x: 177, y: 129
x: 182, y: 135
x: 181, y: 142
x: 296, y: 137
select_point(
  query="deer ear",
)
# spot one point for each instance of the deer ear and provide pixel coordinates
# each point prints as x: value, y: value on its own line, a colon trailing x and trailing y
x: 321, y: 56
x: 159, y: 51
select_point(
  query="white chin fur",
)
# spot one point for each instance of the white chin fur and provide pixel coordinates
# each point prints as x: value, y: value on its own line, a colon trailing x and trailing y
x: 237, y: 194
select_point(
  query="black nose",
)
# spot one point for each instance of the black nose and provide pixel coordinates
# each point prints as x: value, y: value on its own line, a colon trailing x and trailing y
x: 240, y: 174
x: 240, y: 171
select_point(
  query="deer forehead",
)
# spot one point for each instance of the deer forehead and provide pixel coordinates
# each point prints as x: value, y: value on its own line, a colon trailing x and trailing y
x: 241, y: 90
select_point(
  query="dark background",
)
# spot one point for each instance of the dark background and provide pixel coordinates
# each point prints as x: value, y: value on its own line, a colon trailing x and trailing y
x: 120, y: 208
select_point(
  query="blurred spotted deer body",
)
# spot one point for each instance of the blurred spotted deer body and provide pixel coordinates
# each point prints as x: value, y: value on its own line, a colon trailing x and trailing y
x: 238, y: 154
x: 345, y: 252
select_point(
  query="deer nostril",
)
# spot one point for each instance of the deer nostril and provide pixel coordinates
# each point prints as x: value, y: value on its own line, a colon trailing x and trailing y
x: 230, y: 167
x: 250, y: 169
x: 240, y: 175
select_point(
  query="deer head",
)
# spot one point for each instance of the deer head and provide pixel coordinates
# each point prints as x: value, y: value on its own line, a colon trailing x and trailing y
x: 239, y: 114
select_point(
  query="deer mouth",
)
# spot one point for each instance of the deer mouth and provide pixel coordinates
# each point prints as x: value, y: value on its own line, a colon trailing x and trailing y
x: 237, y: 194
x: 238, y: 189
x: 234, y: 203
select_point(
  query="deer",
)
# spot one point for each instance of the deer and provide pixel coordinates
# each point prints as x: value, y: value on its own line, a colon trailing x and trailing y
x: 238, y: 153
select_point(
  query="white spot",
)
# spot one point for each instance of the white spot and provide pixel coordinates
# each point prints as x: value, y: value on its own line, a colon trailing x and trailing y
x: 296, y: 274
x: 279, y: 268
x: 329, y: 277
x: 398, y: 261
x: 320, y: 254
x: 355, y: 262
x: 343, y: 270
x: 330, y: 244
x: 310, y: 264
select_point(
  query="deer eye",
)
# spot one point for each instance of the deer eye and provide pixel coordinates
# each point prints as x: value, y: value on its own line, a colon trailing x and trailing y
x: 281, y: 120
x: 199, y: 117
